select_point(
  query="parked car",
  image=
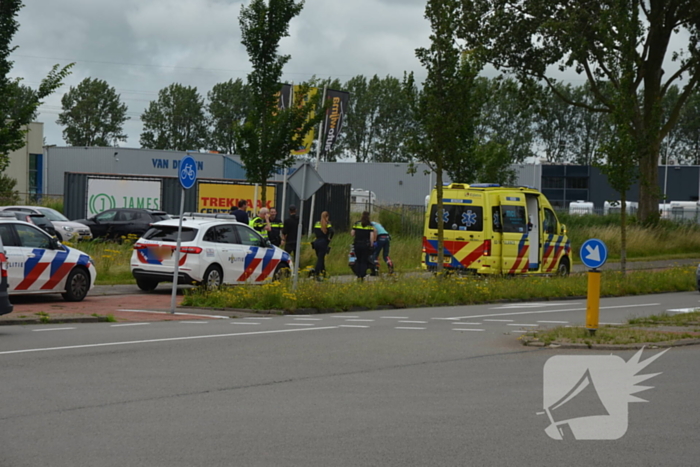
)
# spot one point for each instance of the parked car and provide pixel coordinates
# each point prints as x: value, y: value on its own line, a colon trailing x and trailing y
x: 214, y: 251
x: 39, y: 220
x: 120, y: 222
x: 5, y: 305
x: 66, y: 230
x: 38, y: 263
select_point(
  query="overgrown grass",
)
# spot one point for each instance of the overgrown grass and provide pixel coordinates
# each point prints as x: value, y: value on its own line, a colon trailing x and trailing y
x: 608, y: 335
x: 111, y: 259
x: 408, y: 291
x: 666, y: 319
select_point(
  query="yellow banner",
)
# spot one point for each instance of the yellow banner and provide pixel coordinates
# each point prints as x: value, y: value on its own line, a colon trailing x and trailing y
x: 309, y: 138
x: 219, y: 197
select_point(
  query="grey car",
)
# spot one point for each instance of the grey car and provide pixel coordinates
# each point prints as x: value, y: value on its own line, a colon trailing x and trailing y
x: 66, y: 230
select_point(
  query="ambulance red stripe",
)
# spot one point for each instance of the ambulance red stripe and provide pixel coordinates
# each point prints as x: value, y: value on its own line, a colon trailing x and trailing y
x: 473, y: 256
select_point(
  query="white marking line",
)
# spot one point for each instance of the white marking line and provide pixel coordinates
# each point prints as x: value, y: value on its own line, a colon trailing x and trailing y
x: 299, y: 324
x: 394, y: 317
x: 361, y: 320
x: 250, y: 317
x: 245, y: 322
x: 344, y: 317
x: 167, y: 339
x: 465, y: 329
x: 683, y: 310
x: 52, y: 329
x: 464, y: 323
x: 194, y: 322
x: 352, y: 326
x: 407, y: 327
x: 533, y: 305
x: 414, y: 322
x: 553, y: 311
x: 612, y: 324
x: 500, y: 320
x: 554, y: 322
x: 524, y: 325
x: 176, y: 313
x: 128, y: 324
x: 308, y: 319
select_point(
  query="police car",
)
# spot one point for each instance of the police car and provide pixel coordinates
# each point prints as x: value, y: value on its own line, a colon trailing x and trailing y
x: 38, y: 263
x: 215, y: 250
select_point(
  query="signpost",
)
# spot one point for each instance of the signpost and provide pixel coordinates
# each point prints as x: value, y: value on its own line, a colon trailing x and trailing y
x: 187, y: 170
x: 305, y: 181
x: 593, y: 255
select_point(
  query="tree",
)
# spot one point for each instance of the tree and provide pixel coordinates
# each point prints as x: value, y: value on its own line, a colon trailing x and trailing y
x: 92, y: 114
x: 175, y: 121
x: 228, y: 105
x: 360, y: 129
x: 18, y: 106
x: 391, y: 123
x: 445, y: 132
x: 269, y: 134
x: 533, y: 37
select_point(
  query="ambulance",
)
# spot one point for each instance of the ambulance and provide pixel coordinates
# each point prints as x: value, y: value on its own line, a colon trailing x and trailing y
x: 493, y: 229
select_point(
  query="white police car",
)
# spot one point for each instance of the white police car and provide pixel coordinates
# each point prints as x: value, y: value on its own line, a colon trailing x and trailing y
x: 38, y: 263
x: 214, y: 250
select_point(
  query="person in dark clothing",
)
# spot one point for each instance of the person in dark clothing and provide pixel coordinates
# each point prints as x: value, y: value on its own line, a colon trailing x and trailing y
x: 289, y: 231
x: 363, y: 233
x: 239, y: 211
x: 275, y: 233
x: 324, y: 233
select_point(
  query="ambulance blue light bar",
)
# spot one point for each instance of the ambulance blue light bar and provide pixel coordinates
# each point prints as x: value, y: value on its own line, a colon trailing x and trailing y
x: 484, y: 185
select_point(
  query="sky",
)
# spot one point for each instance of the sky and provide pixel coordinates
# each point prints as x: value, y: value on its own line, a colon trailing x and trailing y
x: 142, y: 46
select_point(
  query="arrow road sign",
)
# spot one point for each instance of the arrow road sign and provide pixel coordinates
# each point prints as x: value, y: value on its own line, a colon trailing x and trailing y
x: 593, y: 253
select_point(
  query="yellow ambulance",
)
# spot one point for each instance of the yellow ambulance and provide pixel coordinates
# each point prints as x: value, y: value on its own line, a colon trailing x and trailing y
x: 493, y: 229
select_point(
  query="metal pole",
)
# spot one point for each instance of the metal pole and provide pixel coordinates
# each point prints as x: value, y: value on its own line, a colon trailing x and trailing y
x: 665, y: 185
x: 319, y: 140
x: 301, y: 220
x: 177, y: 253
x: 282, y: 210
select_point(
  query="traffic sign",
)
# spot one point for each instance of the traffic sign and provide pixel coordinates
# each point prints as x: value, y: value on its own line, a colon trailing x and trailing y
x: 593, y: 253
x: 188, y: 172
x: 305, y: 181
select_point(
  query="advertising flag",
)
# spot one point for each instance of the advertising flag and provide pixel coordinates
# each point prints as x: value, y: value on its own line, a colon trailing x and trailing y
x: 335, y: 117
x: 309, y: 137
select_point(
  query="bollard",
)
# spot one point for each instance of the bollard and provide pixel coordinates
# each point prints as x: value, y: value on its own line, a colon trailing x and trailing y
x: 593, y: 301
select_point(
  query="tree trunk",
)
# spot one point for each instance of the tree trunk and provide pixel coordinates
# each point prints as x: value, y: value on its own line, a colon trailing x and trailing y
x: 648, y: 212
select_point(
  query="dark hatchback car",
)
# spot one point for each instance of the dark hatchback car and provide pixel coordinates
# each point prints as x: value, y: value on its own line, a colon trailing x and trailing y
x: 120, y: 222
x: 39, y: 220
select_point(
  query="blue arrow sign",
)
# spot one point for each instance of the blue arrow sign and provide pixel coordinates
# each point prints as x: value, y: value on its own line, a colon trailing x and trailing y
x: 188, y: 172
x: 593, y: 253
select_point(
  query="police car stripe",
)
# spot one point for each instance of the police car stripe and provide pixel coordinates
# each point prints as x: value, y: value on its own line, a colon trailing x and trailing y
x: 58, y: 260
x: 268, y: 265
x: 58, y: 275
x: 33, y: 268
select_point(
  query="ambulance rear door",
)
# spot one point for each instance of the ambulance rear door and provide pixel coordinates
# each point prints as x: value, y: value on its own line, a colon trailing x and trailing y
x: 515, y: 236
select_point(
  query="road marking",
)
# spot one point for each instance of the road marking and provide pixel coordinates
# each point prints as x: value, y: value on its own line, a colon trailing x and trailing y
x: 414, y: 322
x: 344, y: 317
x: 554, y: 322
x: 394, y: 317
x: 245, y: 322
x: 533, y: 305
x: 642, y: 305
x: 166, y: 339
x: 299, y: 324
x: 612, y: 324
x: 361, y: 320
x: 683, y: 310
x: 352, y: 326
x: 524, y: 325
x: 464, y: 323
x: 407, y: 327
x: 194, y: 322
x: 128, y: 324
x: 250, y: 317
x: 500, y: 320
x: 466, y: 329
x: 52, y: 329
x: 176, y: 313
x: 308, y: 319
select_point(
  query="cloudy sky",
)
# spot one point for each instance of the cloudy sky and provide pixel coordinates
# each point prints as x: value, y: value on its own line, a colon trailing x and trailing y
x: 142, y: 46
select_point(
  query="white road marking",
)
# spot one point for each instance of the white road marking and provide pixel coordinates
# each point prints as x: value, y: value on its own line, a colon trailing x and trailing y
x: 407, y: 327
x: 176, y: 313
x: 52, y: 329
x: 612, y: 324
x: 414, y: 322
x: 299, y: 324
x: 533, y: 305
x: 352, y: 326
x: 466, y: 329
x: 250, y: 317
x: 308, y: 319
x: 524, y: 325
x: 344, y: 316
x: 244, y: 322
x: 464, y: 323
x: 194, y: 322
x: 166, y: 339
x: 683, y: 310
x: 500, y: 320
x: 128, y: 324
x: 642, y: 305
x: 394, y: 317
x: 360, y: 320
x: 554, y: 322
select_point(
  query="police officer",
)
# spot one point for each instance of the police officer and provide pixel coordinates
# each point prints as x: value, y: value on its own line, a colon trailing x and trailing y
x: 276, y: 226
x: 324, y: 233
x: 261, y: 223
x: 363, y: 232
x: 289, y: 231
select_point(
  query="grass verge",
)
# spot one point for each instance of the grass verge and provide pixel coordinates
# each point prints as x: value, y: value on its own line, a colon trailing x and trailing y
x: 611, y: 335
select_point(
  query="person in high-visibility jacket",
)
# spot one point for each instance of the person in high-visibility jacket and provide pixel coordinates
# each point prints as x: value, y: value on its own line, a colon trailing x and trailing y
x: 364, y: 238
x: 261, y: 223
x: 324, y: 233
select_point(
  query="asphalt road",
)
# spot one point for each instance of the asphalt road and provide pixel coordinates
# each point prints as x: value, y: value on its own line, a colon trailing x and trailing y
x: 415, y: 387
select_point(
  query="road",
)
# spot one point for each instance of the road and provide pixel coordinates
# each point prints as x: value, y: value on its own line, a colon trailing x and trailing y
x: 432, y: 386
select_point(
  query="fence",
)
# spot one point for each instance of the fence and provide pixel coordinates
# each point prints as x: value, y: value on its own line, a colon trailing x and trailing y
x: 31, y: 199
x: 403, y: 219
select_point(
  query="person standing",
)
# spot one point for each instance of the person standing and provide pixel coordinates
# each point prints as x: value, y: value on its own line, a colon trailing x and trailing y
x: 240, y: 211
x: 261, y: 223
x: 363, y: 233
x: 324, y: 233
x: 275, y: 228
x: 289, y: 231
x: 382, y: 246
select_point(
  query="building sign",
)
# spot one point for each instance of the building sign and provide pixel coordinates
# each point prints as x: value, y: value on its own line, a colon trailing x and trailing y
x: 219, y: 197
x: 106, y: 194
x: 172, y: 164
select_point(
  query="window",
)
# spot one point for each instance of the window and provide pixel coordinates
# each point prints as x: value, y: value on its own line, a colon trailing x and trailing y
x: 34, y: 173
x: 552, y: 182
x: 458, y: 217
x: 221, y: 234
x: 249, y: 237
x: 167, y: 233
x: 514, y: 219
x: 30, y: 237
x: 7, y: 235
x: 550, y: 222
x: 580, y: 183
x: 106, y: 216
x: 496, y: 218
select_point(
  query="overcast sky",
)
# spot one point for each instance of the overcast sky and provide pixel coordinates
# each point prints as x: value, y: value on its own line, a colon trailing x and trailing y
x: 142, y: 46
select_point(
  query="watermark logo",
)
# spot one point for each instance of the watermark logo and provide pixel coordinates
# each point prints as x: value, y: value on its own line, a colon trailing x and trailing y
x: 587, y: 397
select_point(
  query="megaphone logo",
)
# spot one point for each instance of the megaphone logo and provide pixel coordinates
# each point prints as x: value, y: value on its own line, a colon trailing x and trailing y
x: 587, y: 397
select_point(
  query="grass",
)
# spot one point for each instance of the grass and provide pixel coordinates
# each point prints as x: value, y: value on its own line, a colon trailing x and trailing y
x: 666, y: 319
x: 608, y: 335
x: 413, y: 291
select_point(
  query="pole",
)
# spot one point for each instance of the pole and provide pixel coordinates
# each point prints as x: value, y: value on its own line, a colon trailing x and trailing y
x: 283, y: 210
x: 319, y: 140
x: 177, y: 254
x: 593, y: 301
x: 297, y: 251
x: 665, y: 185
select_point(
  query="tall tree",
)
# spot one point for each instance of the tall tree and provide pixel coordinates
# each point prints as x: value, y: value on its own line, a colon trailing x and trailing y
x: 228, y: 105
x: 360, y: 129
x: 444, y: 138
x: 533, y: 37
x: 17, y: 106
x: 176, y: 121
x: 268, y: 136
x: 93, y: 114
x: 690, y: 130
x: 392, y: 122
